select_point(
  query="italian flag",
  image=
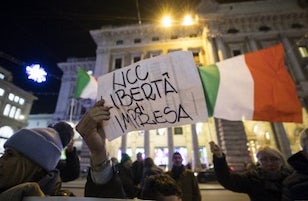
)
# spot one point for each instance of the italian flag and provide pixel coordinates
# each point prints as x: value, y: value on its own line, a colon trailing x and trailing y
x: 86, y: 85
x: 253, y: 86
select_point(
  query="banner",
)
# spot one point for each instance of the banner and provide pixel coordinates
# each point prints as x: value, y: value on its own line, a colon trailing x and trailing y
x: 253, y: 86
x: 163, y: 91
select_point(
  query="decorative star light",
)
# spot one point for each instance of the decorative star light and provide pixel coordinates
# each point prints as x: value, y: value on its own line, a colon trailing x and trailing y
x: 36, y: 73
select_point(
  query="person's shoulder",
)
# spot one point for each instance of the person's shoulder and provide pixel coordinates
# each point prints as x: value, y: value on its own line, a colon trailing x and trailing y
x: 188, y: 171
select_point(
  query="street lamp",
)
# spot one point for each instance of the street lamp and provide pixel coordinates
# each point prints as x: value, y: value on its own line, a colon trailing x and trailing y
x: 187, y: 20
x: 167, y: 21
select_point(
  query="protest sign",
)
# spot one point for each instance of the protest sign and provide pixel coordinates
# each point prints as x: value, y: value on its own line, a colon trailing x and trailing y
x: 159, y: 92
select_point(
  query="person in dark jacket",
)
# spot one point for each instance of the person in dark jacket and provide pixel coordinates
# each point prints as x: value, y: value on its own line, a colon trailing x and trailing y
x: 102, y: 180
x: 28, y: 165
x: 261, y: 184
x: 296, y: 185
x: 126, y: 175
x: 137, y: 168
x: 149, y: 169
x: 70, y: 166
x: 185, y: 179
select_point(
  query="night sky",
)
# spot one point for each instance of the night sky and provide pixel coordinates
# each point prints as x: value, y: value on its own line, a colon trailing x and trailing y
x: 50, y: 31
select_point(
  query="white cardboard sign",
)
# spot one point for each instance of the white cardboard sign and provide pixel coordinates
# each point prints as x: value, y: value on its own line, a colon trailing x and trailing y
x: 163, y: 91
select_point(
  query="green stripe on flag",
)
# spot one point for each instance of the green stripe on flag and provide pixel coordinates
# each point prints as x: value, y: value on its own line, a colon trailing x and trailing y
x: 210, y: 80
x: 83, y: 79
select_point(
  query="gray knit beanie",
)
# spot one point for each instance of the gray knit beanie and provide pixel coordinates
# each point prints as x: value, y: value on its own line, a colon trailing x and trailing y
x: 41, y: 145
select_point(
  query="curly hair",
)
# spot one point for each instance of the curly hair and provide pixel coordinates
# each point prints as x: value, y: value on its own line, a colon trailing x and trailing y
x: 158, y: 186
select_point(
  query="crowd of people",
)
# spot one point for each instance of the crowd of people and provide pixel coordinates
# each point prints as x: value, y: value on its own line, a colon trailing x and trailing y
x: 31, y: 166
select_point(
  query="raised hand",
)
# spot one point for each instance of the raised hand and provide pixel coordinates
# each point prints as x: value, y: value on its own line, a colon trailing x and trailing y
x: 216, y: 150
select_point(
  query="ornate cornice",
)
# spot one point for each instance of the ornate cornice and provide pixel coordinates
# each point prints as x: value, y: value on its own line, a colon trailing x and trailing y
x: 107, y: 37
x: 257, y: 23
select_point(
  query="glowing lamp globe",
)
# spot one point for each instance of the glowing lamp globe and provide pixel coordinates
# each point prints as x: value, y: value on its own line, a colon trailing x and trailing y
x: 36, y: 73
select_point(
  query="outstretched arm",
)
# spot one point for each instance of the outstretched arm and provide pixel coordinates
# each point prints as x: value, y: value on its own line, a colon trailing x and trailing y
x: 90, y: 128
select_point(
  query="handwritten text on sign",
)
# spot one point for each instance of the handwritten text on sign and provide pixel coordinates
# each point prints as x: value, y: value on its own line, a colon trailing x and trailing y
x: 163, y: 91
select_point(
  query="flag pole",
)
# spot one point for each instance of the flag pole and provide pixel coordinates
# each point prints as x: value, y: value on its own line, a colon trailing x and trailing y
x: 72, y: 109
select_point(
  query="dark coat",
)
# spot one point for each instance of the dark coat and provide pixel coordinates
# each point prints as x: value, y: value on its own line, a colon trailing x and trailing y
x: 49, y: 185
x: 70, y: 167
x: 137, y: 170
x: 127, y: 180
x: 149, y: 171
x: 188, y: 184
x: 258, y: 185
x: 296, y: 185
x: 112, y: 189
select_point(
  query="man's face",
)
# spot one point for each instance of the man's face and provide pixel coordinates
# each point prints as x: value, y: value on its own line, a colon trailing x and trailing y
x: 177, y: 160
x: 139, y: 157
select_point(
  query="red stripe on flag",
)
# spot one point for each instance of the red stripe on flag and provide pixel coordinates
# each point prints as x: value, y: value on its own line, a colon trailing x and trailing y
x: 275, y: 96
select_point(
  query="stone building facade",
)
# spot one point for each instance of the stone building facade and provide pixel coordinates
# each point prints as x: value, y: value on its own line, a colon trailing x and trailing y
x: 15, y: 106
x: 223, y: 30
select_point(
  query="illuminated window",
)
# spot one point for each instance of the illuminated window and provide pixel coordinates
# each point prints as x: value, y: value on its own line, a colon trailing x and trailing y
x: 161, y: 131
x: 17, y: 114
x: 11, y: 97
x: 21, y: 101
x: 303, y: 51
x: 1, y: 92
x: 141, y: 133
x: 6, y: 110
x: 16, y: 99
x: 161, y: 156
x: 5, y: 133
x: 12, y: 112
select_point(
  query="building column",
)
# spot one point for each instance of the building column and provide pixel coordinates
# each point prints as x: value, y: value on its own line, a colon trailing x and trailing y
x: 196, y: 155
x: 102, y: 62
x: 252, y: 44
x: 123, y: 143
x: 211, y: 50
x: 170, y: 146
x: 146, y: 143
x: 221, y: 49
x: 65, y: 92
x: 281, y: 139
x: 296, y: 69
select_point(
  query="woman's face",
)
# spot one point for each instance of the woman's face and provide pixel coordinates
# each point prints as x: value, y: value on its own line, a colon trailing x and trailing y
x: 8, y: 164
x: 270, y: 163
